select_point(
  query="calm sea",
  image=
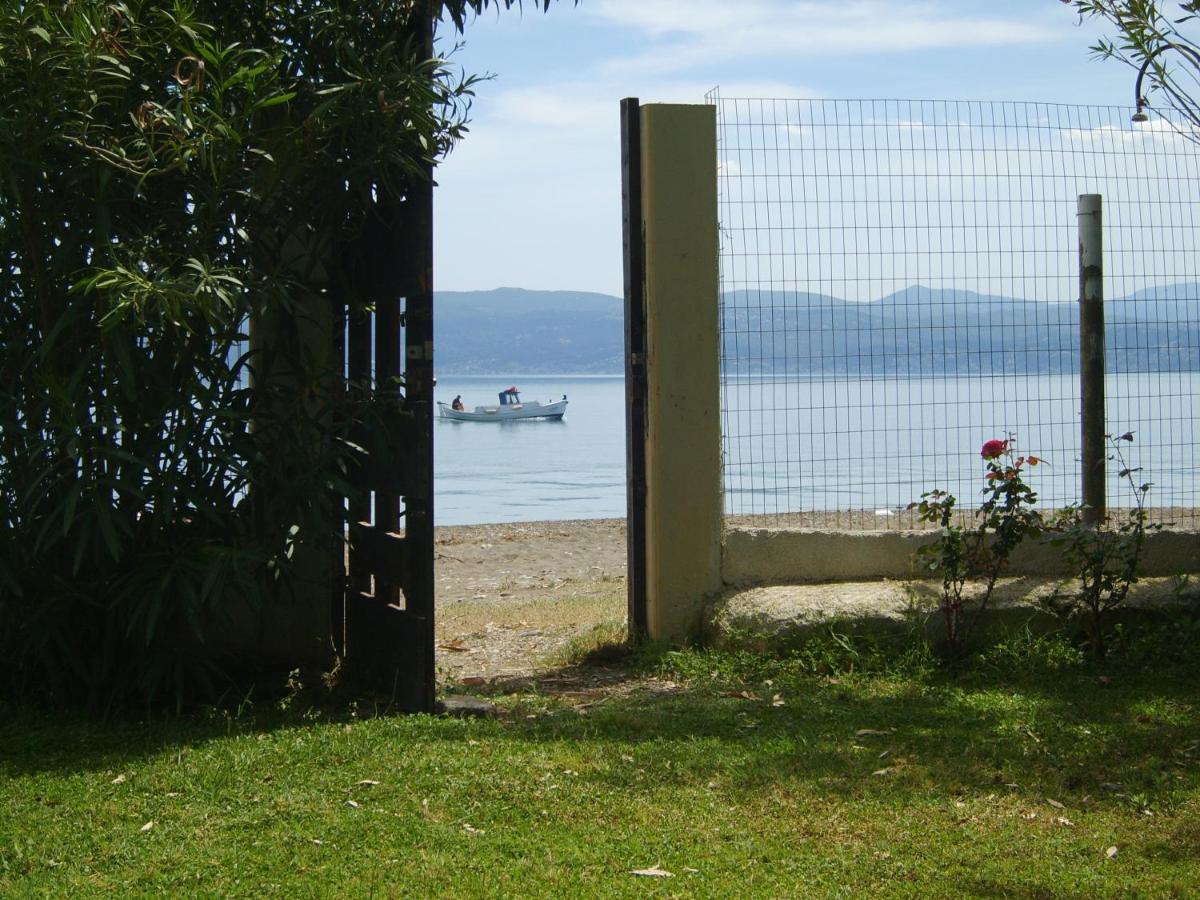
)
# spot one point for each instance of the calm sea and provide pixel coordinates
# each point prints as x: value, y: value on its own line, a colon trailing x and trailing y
x: 809, y: 443
x: 534, y: 469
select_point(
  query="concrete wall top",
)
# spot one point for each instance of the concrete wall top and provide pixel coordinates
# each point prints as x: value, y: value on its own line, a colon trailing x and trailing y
x: 795, y: 555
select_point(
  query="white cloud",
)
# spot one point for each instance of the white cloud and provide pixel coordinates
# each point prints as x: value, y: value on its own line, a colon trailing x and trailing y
x: 594, y: 103
x: 533, y: 195
x: 541, y: 169
x: 690, y: 33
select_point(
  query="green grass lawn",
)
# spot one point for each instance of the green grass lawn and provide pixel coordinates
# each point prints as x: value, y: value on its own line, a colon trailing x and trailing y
x: 741, y: 775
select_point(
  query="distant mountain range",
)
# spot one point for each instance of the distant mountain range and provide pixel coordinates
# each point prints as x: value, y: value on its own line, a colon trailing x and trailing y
x: 519, y: 332
x: 916, y: 331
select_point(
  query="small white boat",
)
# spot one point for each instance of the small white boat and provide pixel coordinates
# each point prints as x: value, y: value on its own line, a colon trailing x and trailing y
x: 509, y: 408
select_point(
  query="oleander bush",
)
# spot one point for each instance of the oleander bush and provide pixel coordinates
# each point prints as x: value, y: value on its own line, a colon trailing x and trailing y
x: 171, y: 172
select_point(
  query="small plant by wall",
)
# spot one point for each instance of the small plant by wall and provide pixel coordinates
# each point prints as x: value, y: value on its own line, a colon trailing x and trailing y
x: 1105, y: 556
x: 979, y: 552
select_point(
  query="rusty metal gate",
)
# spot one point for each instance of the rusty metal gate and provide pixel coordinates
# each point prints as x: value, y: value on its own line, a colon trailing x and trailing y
x: 635, y: 364
x: 383, y: 614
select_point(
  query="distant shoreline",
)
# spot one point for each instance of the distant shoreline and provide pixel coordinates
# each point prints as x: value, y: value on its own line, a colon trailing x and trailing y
x: 873, y: 376
x: 540, y: 375
x: 935, y: 331
x: 857, y: 520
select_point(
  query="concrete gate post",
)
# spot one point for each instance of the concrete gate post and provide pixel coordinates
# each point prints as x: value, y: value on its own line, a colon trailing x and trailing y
x: 683, y: 440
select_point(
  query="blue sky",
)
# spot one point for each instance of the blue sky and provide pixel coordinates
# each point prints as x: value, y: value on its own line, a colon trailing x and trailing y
x: 532, y: 197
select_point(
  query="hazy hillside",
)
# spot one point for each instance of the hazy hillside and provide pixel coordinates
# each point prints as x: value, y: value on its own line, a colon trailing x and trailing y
x: 917, y: 331
x: 532, y: 332
x: 925, y: 331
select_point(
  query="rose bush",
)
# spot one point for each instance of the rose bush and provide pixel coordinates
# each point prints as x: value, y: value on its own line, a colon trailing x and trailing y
x: 981, y: 553
x: 993, y: 448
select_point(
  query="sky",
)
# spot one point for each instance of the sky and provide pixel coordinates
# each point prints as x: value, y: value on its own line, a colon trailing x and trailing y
x: 532, y: 197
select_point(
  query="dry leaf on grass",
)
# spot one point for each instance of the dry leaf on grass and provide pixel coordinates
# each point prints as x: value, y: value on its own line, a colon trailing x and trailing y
x: 1064, y: 822
x: 655, y: 871
x: 471, y: 829
x: 366, y: 782
x: 352, y: 804
x: 778, y: 701
x: 882, y: 772
x: 120, y: 779
x: 741, y: 695
x: 1055, y: 804
x: 1111, y: 853
x: 147, y: 826
x: 863, y: 732
x: 456, y: 645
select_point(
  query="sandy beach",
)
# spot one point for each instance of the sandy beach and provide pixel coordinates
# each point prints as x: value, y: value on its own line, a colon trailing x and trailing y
x: 512, y: 597
x: 516, y: 560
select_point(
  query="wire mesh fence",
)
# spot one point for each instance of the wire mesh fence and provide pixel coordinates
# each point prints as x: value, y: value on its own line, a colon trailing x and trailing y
x: 899, y: 283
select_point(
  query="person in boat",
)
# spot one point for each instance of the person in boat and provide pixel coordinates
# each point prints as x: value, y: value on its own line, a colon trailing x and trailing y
x: 457, y: 404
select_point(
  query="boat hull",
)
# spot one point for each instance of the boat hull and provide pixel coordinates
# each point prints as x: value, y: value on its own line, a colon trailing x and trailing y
x: 510, y: 413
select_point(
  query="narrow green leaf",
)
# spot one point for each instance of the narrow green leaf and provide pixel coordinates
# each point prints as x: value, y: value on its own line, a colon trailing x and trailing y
x: 276, y: 100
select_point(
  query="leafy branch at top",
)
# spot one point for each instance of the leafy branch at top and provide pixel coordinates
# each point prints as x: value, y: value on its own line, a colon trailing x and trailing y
x: 1155, y: 40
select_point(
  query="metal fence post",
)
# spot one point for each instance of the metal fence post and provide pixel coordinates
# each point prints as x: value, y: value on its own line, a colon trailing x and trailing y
x: 1091, y: 355
x: 635, y: 364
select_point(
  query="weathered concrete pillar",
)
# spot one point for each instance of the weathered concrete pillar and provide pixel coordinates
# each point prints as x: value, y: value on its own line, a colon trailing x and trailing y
x: 683, y: 440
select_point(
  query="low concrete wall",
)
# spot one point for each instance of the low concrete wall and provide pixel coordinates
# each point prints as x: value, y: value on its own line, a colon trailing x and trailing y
x: 779, y: 616
x: 794, y: 555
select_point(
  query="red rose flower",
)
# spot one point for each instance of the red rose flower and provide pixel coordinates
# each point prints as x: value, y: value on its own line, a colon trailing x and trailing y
x: 993, y: 448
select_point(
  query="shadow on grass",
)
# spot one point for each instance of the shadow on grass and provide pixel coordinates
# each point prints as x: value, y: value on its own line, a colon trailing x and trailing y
x: 1123, y: 732
x: 853, y: 740
x: 1023, y: 718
